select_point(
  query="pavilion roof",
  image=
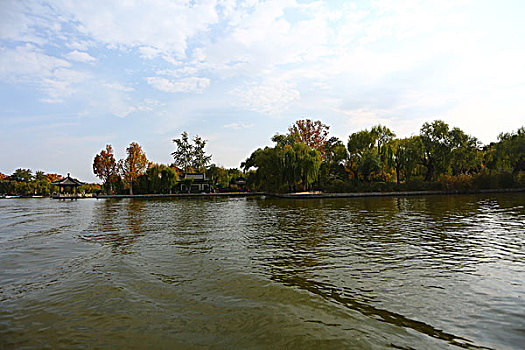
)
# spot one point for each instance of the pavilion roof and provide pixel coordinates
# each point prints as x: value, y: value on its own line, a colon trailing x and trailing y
x: 67, y: 181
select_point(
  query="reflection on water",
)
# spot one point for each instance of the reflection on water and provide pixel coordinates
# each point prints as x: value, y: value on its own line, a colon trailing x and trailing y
x: 116, y: 223
x: 415, y: 272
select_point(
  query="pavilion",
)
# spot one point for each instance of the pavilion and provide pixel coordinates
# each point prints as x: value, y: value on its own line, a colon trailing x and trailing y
x: 67, y: 186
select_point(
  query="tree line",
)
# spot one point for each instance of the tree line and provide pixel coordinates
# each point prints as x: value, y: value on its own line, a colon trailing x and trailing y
x: 306, y: 158
x: 439, y: 157
x: 135, y: 174
x: 22, y: 182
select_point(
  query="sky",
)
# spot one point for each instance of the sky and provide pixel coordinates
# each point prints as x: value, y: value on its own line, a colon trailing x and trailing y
x: 77, y: 75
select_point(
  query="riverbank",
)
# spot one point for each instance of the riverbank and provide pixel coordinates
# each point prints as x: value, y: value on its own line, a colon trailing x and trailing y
x: 185, y: 195
x: 320, y: 195
x: 314, y: 195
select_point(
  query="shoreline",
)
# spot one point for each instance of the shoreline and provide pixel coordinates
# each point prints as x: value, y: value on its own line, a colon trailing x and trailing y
x: 311, y: 195
x: 183, y: 195
x: 390, y: 194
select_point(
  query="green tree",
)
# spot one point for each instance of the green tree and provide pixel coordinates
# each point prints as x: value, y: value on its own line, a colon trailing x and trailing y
x: 40, y: 176
x: 436, y: 148
x: 189, y: 156
x: 22, y: 175
x: 183, y: 155
x: 286, y: 166
x: 510, y: 150
x: 363, y: 143
x: 368, y: 164
x: 465, y: 156
x: 168, y: 179
x: 154, y: 178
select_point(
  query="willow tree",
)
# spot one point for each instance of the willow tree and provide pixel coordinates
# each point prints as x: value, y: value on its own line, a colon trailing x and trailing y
x: 465, y: 155
x: 363, y: 155
x: 510, y: 150
x: 436, y: 151
x: 404, y: 156
x: 105, y: 167
x: 286, y: 166
x: 134, y: 165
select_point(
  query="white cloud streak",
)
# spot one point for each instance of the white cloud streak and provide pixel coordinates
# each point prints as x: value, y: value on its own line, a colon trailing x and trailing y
x: 184, y: 85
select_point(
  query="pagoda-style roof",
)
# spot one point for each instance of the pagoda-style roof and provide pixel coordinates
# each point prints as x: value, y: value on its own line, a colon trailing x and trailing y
x: 67, y: 181
x: 241, y: 180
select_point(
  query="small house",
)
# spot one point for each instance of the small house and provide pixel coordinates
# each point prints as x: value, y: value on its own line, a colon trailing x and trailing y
x: 193, y: 182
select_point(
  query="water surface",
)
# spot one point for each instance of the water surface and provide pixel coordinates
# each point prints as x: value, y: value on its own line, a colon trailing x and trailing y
x: 416, y: 272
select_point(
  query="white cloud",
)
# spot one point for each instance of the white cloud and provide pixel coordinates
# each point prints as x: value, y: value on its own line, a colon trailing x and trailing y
x: 184, y: 85
x: 30, y: 61
x: 118, y: 86
x: 80, y: 56
x: 270, y: 97
x: 239, y: 126
x: 164, y: 27
x: 50, y: 74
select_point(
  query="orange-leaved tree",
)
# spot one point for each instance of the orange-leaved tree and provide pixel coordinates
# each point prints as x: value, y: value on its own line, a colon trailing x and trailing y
x: 312, y: 133
x: 53, y: 177
x: 134, y: 165
x: 105, y: 166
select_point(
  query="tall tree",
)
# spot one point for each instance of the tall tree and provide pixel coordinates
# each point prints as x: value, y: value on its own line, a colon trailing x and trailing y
x: 200, y: 159
x: 134, y: 165
x: 510, y: 149
x: 405, y: 154
x: 183, y: 155
x: 464, y: 152
x: 168, y: 179
x: 383, y: 136
x: 312, y: 133
x: 22, y: 175
x: 436, y: 148
x: 190, y: 156
x: 40, y: 176
x: 105, y: 167
x: 363, y: 155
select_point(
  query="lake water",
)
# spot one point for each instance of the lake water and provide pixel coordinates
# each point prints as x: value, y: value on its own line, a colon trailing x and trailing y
x: 418, y: 272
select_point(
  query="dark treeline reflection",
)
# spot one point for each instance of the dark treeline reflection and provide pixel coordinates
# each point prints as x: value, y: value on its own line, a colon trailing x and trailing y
x: 117, y: 224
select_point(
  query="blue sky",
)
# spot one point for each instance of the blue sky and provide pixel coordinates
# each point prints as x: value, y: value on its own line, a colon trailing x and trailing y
x: 77, y: 75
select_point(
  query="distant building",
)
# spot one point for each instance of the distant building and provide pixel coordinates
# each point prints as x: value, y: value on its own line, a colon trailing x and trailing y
x: 67, y: 186
x: 241, y: 183
x: 197, y: 181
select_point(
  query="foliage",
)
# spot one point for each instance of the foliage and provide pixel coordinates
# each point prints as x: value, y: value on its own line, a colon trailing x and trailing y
x: 511, y: 150
x: 436, y: 152
x: 134, y: 165
x: 404, y: 156
x: 158, y: 178
x: 312, y: 133
x: 22, y: 175
x: 370, y: 152
x: 189, y: 156
x: 105, y: 167
x: 287, y: 166
x: 53, y: 177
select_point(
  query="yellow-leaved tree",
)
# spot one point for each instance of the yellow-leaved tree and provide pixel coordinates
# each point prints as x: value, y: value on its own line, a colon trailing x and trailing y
x: 134, y: 165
